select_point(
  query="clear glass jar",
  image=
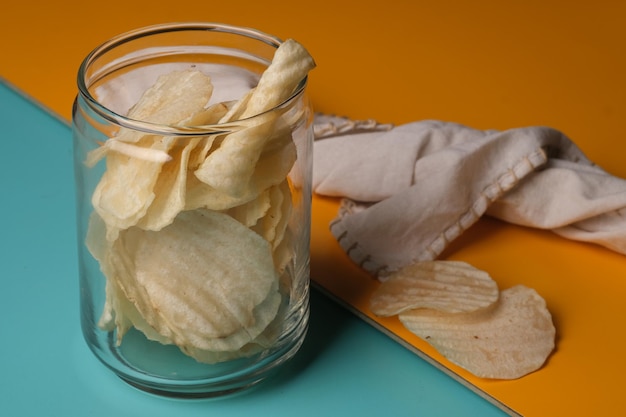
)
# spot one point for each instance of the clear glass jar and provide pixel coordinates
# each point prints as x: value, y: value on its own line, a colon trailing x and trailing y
x: 191, y: 288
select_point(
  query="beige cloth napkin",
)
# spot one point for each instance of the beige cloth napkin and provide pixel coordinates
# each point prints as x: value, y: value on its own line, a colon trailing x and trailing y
x: 410, y: 190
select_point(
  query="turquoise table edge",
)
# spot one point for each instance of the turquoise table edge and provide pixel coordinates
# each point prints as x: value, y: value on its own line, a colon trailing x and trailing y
x: 345, y: 367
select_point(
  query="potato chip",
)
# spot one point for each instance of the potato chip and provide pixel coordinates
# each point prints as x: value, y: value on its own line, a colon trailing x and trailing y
x: 273, y: 224
x: 249, y: 213
x: 198, y: 280
x: 276, y: 160
x: 128, y: 149
x: 126, y: 189
x: 118, y: 312
x: 175, y: 97
x: 272, y: 167
x: 237, y: 108
x: 243, y: 342
x: 283, y: 251
x: 201, y: 195
x: 230, y: 167
x: 121, y: 314
x: 170, y: 188
x: 509, y: 341
x: 449, y: 286
x: 125, y: 315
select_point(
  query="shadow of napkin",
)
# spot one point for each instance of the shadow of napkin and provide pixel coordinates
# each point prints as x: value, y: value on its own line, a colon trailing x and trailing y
x: 408, y: 191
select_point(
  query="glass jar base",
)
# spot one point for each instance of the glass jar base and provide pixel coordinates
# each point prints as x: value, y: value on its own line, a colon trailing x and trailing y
x: 226, y: 384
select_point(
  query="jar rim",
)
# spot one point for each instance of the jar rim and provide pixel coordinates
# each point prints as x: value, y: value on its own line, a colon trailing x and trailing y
x: 164, y: 129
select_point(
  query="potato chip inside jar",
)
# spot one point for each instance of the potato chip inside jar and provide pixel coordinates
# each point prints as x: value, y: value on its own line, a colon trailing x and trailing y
x: 204, y: 282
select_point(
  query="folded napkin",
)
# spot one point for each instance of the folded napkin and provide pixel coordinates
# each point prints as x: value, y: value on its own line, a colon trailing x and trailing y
x: 410, y: 190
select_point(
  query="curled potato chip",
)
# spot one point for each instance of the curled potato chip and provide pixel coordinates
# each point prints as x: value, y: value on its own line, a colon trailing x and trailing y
x: 507, y: 342
x: 197, y: 281
x: 449, y: 286
x: 230, y: 167
x: 175, y: 98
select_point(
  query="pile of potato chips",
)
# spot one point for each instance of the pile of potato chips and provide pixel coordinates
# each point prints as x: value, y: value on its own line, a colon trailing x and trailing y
x: 191, y: 232
x: 460, y: 311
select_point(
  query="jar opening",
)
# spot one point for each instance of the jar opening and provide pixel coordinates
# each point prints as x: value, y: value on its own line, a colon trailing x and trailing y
x: 112, y: 78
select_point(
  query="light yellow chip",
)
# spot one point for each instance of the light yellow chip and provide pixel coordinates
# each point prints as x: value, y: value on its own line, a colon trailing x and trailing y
x: 170, y: 188
x: 272, y: 226
x: 244, y: 342
x: 198, y: 281
x: 182, y: 262
x: 449, y: 286
x: 230, y: 168
x: 271, y: 169
x: 507, y: 342
x: 284, y: 252
x: 126, y: 189
x: 249, y: 213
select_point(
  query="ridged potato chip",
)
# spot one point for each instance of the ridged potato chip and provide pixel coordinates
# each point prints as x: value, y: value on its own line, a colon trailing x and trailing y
x: 512, y: 339
x: 126, y: 189
x: 198, y: 281
x: 449, y: 286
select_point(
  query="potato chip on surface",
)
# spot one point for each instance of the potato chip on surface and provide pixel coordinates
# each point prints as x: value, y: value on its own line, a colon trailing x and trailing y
x: 197, y: 281
x: 449, y: 286
x: 507, y: 342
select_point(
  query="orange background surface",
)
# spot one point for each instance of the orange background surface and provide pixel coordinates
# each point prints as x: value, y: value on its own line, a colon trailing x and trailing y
x: 486, y: 64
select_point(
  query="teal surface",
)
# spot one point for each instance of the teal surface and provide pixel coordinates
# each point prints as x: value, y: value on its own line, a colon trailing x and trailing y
x: 345, y: 368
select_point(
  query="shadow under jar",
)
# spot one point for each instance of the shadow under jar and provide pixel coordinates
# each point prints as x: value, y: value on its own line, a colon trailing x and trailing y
x: 191, y: 285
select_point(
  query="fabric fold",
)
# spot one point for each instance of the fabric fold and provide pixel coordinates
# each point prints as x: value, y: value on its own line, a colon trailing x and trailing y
x: 410, y: 190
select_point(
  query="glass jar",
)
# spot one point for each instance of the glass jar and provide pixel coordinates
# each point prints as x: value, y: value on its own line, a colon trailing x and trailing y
x: 193, y: 233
